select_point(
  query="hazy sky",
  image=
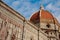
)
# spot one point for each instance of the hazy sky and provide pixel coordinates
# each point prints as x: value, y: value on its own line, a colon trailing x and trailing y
x: 28, y: 7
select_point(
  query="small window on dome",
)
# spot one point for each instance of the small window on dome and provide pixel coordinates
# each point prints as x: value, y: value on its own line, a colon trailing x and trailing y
x: 48, y: 25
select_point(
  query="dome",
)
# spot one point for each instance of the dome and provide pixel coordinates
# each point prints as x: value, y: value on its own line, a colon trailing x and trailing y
x: 42, y: 15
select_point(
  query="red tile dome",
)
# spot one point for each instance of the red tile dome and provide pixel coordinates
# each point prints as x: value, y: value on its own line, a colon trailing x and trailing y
x: 43, y: 14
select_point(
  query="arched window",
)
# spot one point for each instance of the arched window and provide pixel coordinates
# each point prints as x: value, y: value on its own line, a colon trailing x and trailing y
x: 51, y: 33
x: 31, y: 38
x: 13, y: 37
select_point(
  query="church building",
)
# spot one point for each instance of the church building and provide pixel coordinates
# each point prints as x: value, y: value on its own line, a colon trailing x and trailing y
x: 42, y: 25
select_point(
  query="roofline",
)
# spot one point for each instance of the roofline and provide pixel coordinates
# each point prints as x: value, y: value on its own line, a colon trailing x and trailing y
x: 15, y: 13
x: 10, y: 9
x: 32, y: 15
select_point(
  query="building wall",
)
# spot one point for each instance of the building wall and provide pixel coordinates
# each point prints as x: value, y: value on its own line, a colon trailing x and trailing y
x: 14, y: 26
x: 50, y: 31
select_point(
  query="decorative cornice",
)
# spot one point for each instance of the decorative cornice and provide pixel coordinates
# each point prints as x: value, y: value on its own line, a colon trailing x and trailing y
x: 11, y: 10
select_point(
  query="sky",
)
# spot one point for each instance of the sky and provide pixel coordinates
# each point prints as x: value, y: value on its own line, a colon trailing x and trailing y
x: 28, y: 7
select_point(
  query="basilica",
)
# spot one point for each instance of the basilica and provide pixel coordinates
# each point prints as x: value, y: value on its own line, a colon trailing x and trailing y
x: 42, y: 25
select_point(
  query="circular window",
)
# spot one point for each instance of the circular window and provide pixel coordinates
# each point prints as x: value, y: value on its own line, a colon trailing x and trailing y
x: 48, y: 25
